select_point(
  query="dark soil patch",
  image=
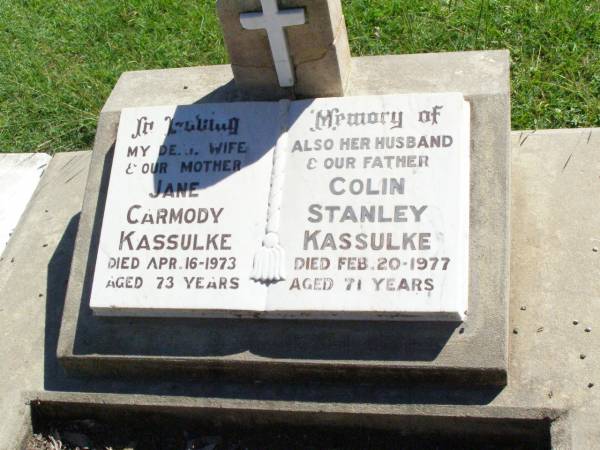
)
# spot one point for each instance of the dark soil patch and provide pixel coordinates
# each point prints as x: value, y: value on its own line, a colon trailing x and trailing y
x: 93, y: 435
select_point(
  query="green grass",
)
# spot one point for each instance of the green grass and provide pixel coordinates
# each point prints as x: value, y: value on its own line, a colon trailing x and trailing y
x: 60, y: 58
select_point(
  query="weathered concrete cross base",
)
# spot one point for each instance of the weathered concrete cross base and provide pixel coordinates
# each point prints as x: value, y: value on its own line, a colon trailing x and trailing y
x: 319, y: 50
x: 553, y: 369
x: 475, y: 352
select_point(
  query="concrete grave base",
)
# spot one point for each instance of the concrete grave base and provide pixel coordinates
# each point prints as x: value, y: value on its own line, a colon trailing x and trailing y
x: 474, y: 352
x: 553, y: 367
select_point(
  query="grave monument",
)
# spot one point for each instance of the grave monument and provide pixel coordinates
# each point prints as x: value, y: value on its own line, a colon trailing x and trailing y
x: 300, y: 237
x: 386, y: 204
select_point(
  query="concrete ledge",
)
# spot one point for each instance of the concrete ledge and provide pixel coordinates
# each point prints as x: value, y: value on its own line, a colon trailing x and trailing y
x: 473, y: 73
x: 543, y: 427
x: 475, y: 352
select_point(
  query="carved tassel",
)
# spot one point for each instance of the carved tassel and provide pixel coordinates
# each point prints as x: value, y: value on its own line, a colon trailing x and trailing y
x: 269, y: 260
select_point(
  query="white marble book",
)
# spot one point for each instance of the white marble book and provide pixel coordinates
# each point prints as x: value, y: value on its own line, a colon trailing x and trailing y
x: 332, y: 208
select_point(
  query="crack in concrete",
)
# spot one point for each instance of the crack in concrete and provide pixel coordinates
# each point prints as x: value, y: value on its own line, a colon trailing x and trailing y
x: 567, y: 162
x: 328, y: 48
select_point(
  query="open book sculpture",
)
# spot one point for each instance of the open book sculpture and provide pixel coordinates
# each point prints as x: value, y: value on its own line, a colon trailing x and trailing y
x: 345, y: 208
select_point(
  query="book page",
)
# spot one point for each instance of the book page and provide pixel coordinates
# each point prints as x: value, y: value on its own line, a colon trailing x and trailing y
x: 375, y: 208
x: 185, y: 210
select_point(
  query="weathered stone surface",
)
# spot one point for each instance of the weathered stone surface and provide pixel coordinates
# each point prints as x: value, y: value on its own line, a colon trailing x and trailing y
x: 19, y: 175
x: 476, y: 352
x: 33, y: 276
x: 319, y: 49
x: 555, y: 264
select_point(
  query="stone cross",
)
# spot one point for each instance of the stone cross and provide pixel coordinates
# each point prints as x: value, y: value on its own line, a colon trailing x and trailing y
x: 286, y: 48
x: 274, y: 21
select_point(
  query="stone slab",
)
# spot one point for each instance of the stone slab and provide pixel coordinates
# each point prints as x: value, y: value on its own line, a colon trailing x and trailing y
x: 554, y: 175
x: 19, y: 175
x: 475, y: 352
x: 319, y: 50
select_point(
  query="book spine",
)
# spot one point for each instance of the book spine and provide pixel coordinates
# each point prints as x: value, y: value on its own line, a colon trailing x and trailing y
x: 269, y: 260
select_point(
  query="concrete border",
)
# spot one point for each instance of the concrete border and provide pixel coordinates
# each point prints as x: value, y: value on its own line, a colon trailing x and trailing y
x: 475, y: 352
x: 529, y: 424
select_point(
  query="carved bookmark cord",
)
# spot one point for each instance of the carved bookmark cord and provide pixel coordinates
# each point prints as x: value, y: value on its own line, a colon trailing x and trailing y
x: 269, y: 260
